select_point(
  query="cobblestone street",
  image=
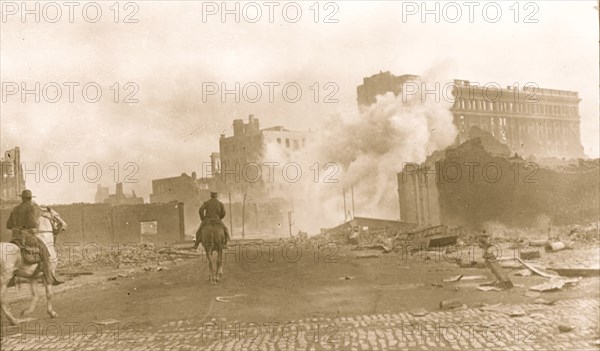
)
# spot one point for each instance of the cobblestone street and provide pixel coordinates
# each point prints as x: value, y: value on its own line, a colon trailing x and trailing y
x: 533, y: 327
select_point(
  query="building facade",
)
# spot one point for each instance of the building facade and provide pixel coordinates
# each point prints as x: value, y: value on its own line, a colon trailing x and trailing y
x: 12, y: 182
x: 530, y: 120
x: 244, y: 158
x: 119, y: 197
x: 186, y: 189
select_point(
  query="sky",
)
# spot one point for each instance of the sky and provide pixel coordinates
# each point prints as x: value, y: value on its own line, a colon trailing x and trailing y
x: 162, y: 122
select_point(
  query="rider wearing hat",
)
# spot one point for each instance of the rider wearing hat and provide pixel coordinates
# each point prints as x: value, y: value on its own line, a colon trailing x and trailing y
x: 212, y: 209
x: 24, y: 221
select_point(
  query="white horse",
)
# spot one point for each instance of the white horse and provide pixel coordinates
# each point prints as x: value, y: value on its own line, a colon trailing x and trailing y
x: 12, y: 265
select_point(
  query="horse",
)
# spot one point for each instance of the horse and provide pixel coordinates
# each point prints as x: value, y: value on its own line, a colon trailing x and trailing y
x: 12, y: 265
x: 213, y: 239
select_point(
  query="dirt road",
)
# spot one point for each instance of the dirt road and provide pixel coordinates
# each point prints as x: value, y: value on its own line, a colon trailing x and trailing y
x: 277, y: 286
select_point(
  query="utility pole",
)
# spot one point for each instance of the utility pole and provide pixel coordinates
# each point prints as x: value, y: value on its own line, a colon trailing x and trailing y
x: 243, y: 214
x: 352, y: 188
x: 230, y: 217
x: 83, y: 226
x: 290, y: 221
x: 345, y: 210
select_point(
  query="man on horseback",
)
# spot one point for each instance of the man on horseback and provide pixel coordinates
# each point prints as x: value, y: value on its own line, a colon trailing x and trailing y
x: 212, y: 209
x: 24, y: 221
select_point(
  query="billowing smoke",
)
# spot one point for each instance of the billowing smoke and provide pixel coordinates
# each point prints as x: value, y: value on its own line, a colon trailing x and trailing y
x: 364, y: 153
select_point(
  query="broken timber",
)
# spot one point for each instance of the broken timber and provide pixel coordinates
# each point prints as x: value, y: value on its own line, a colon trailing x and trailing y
x: 492, y: 264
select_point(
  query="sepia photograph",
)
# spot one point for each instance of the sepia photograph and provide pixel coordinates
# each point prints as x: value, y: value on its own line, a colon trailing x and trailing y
x: 187, y: 175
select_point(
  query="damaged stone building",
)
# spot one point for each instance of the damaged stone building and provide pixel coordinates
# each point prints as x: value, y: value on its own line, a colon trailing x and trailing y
x: 118, y: 198
x: 243, y: 163
x: 189, y: 190
x: 478, y: 182
x: 517, y: 157
x: 13, y: 181
x: 530, y: 120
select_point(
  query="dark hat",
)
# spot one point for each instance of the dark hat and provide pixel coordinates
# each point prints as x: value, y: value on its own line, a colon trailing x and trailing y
x: 27, y: 193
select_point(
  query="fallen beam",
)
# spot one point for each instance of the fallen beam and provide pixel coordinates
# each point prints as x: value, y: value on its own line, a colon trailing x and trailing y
x: 493, y: 265
x: 577, y: 272
x: 537, y: 271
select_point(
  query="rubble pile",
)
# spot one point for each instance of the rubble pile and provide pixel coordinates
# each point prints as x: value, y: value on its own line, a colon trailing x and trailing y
x: 308, y: 241
x: 584, y: 234
x: 521, y: 192
x: 114, y: 256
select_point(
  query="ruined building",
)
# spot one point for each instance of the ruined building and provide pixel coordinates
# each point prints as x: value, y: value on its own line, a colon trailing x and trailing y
x: 477, y: 183
x: 242, y: 160
x: 13, y: 182
x: 189, y: 190
x: 118, y: 198
x: 531, y: 121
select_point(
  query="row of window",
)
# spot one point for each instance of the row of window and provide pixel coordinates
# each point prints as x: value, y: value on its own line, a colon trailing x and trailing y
x: 295, y: 143
x: 289, y: 143
x: 548, y: 131
x: 9, y: 193
x: 482, y: 105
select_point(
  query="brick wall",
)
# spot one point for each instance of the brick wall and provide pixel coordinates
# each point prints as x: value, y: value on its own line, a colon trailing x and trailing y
x: 105, y: 224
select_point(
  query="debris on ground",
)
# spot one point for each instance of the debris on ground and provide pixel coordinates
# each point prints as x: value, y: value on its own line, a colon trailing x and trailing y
x: 489, y: 288
x: 529, y: 255
x: 419, y: 312
x: 227, y: 298
x: 577, y: 272
x: 380, y: 247
x: 557, y: 246
x: 509, y: 264
x: 537, y: 271
x: 554, y: 284
x: 541, y: 301
x: 116, y: 255
x: 563, y: 328
x: 429, y: 237
x: 473, y: 277
x: 73, y: 274
x: 450, y: 304
x: 453, y: 279
x: 346, y: 278
x: 368, y: 255
x: 516, y: 313
x: 538, y: 243
x: 584, y: 234
x: 107, y: 322
x: 523, y: 272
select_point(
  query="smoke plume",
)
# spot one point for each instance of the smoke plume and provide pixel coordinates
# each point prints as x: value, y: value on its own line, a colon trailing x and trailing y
x: 364, y: 152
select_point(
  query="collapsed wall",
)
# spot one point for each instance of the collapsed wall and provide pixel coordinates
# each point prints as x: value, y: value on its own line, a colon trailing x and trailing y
x: 476, y: 183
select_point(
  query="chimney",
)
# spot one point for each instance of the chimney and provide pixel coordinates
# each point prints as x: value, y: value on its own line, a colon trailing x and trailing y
x: 238, y: 127
x: 119, y: 191
x: 252, y: 124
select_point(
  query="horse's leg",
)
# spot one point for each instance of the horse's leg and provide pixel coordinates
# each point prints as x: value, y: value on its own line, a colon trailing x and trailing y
x: 3, y: 305
x: 211, y: 276
x: 34, y: 299
x: 219, y: 264
x: 49, y: 309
